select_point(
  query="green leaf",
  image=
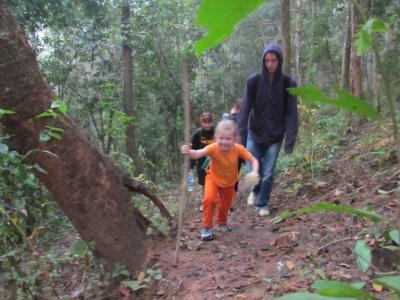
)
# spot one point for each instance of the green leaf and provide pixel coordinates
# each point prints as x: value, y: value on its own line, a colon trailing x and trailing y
x: 47, y: 113
x: 133, y: 285
x: 344, y: 100
x: 364, y: 36
x: 44, y: 137
x: 364, y: 256
x: 395, y: 236
x: 80, y: 248
x: 119, y: 270
x: 390, y: 282
x: 359, y: 284
x: 310, y: 296
x: 4, y: 112
x: 3, y: 148
x: 220, y: 18
x: 339, y: 289
x: 39, y: 168
x: 62, y: 107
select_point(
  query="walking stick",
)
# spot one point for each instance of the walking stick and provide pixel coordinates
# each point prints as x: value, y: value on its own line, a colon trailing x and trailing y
x: 186, y: 101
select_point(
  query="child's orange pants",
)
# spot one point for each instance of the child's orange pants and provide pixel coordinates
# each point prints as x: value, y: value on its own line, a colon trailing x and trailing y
x: 212, y: 195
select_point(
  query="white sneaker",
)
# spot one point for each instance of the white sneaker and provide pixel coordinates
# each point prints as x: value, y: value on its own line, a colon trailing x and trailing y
x: 251, y: 199
x: 263, y: 212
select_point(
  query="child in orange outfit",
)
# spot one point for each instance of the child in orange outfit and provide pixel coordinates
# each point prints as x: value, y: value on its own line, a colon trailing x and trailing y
x: 222, y: 175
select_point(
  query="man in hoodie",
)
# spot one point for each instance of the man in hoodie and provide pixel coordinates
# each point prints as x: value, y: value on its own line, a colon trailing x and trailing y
x: 268, y: 115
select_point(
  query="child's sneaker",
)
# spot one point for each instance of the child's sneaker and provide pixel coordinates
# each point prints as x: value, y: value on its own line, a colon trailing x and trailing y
x: 224, y: 228
x: 263, y: 212
x: 251, y: 199
x: 206, y: 234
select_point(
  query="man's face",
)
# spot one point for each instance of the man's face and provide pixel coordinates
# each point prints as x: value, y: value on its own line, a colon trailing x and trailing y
x: 271, y: 62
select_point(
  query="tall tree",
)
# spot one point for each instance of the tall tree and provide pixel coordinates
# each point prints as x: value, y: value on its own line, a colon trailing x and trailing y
x: 355, y: 69
x: 128, y: 96
x: 89, y: 188
x: 299, y: 70
x: 345, y: 74
x: 285, y: 32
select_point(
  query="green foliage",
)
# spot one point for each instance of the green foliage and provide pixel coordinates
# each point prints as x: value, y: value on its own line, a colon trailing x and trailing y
x: 82, y: 248
x: 220, y: 18
x: 119, y: 270
x: 344, y: 100
x: 364, y: 256
x: 151, y: 274
x: 310, y: 296
x: 50, y: 133
x: 134, y: 285
x: 5, y: 112
x: 364, y: 35
x: 339, y: 289
x: 390, y: 282
x: 329, y: 207
x: 395, y: 236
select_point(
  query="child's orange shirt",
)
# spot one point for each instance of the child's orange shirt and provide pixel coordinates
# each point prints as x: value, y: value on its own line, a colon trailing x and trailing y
x: 224, y: 165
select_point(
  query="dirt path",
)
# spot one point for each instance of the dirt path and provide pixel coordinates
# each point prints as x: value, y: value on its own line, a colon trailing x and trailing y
x: 263, y: 260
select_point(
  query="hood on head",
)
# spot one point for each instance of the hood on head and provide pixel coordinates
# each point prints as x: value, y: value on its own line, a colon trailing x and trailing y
x: 272, y: 47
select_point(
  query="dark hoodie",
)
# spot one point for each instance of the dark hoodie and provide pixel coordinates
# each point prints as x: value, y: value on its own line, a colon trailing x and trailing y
x: 265, y: 114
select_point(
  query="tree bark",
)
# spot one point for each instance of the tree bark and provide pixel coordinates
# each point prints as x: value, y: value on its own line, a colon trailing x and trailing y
x: 345, y: 74
x: 299, y: 70
x: 356, y: 71
x: 285, y: 31
x: 128, y: 96
x: 88, y: 187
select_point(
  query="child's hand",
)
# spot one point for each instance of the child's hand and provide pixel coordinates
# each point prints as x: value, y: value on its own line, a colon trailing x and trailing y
x: 185, y: 149
x: 251, y: 179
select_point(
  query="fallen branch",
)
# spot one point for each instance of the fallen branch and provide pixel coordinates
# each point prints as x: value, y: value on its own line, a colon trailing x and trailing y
x: 139, y: 187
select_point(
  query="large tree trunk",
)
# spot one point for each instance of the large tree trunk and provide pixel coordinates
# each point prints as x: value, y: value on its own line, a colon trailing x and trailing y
x: 128, y: 97
x: 88, y: 187
x: 285, y: 31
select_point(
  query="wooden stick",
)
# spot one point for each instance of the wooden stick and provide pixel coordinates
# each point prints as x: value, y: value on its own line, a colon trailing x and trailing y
x: 186, y: 101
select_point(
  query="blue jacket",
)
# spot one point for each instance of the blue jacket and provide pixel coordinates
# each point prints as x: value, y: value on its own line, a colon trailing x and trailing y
x: 268, y: 113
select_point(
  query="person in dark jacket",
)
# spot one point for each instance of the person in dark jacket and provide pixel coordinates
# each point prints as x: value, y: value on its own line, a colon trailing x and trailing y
x: 202, y: 137
x: 268, y: 115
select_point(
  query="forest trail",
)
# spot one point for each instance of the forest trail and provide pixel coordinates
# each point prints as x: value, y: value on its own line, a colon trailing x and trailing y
x: 262, y: 260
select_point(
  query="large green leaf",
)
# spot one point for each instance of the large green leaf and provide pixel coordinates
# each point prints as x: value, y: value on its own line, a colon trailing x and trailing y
x: 4, y: 112
x: 344, y: 100
x: 339, y: 289
x: 391, y: 282
x: 220, y: 18
x: 364, y: 255
x: 310, y: 296
x: 395, y: 236
x: 364, y: 35
x: 329, y: 207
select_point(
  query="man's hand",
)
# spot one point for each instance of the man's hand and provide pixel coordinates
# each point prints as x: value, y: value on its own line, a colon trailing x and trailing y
x: 251, y: 179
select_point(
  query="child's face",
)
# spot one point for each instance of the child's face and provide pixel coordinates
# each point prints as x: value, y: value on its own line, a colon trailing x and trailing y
x: 225, y: 139
x: 206, y: 124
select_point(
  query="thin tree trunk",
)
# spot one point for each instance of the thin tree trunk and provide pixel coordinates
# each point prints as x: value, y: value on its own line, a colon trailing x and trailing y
x: 376, y: 86
x: 356, y: 72
x: 88, y: 187
x: 345, y: 74
x: 299, y: 70
x: 128, y: 96
x: 285, y: 32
